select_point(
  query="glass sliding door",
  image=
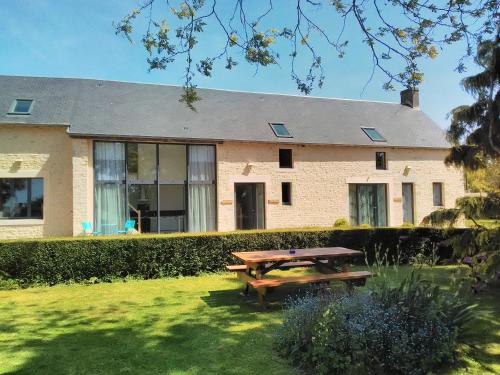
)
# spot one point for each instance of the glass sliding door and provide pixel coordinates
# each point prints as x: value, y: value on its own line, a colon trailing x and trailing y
x: 368, y: 204
x: 109, y: 193
x: 173, y: 178
x: 201, y: 188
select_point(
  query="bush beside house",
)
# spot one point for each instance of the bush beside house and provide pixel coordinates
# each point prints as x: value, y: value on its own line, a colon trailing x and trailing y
x: 77, y: 259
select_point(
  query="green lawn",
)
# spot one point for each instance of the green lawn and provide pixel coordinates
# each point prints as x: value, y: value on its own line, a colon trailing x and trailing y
x: 196, y: 325
x: 487, y: 223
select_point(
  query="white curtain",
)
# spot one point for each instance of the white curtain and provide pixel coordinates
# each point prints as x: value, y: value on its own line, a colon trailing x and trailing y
x: 109, y: 188
x: 110, y: 208
x: 109, y: 161
x: 201, y: 190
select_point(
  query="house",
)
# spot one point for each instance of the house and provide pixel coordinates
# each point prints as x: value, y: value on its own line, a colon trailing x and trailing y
x: 75, y: 150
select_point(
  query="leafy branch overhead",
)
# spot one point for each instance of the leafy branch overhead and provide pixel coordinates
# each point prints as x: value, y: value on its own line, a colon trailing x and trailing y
x: 398, y: 34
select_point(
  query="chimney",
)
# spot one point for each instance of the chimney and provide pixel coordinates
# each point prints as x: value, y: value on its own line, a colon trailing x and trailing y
x: 409, y: 97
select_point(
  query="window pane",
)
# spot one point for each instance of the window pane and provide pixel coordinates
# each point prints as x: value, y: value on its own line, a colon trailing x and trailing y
x: 141, y: 161
x: 172, y: 208
x: 14, y: 198
x: 201, y: 188
x: 286, y: 196
x: 280, y: 130
x: 110, y: 214
x: 353, y: 205
x: 437, y: 193
x: 380, y: 214
x: 22, y: 106
x: 202, y: 164
x: 285, y: 156
x: 109, y: 163
x: 373, y: 134
x: 143, y: 198
x: 37, y: 198
x: 173, y: 163
x: 380, y: 160
x: 408, y: 216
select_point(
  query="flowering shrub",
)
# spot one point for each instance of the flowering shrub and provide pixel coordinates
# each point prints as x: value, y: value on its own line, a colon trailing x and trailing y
x: 294, y: 337
x: 408, y: 329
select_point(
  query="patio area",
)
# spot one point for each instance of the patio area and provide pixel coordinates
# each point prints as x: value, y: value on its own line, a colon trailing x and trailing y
x: 191, y: 325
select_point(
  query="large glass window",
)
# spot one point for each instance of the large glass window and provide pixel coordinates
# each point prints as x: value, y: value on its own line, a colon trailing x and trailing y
x: 143, y: 206
x: 201, y: 182
x: 173, y: 179
x: 21, y: 198
x: 141, y: 162
x: 368, y: 204
x: 162, y: 187
x: 109, y: 192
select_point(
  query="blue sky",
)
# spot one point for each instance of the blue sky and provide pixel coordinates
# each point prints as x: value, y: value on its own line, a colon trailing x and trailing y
x: 75, y: 38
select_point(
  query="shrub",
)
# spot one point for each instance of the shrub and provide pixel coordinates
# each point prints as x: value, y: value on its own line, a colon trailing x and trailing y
x: 294, y: 336
x: 342, y: 222
x: 408, y: 329
x: 152, y: 256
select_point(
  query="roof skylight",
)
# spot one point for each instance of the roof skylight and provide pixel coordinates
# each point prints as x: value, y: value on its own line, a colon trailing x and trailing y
x: 373, y: 134
x: 280, y: 130
x: 21, y: 107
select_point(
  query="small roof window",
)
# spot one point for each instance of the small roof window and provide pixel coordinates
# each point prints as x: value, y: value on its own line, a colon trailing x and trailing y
x: 21, y: 107
x: 373, y: 134
x: 280, y: 130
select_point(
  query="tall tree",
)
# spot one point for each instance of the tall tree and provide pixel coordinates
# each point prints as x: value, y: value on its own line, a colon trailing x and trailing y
x: 397, y: 33
x: 475, y: 128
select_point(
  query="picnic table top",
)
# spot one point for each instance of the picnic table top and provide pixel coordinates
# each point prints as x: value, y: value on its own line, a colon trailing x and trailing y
x: 284, y: 255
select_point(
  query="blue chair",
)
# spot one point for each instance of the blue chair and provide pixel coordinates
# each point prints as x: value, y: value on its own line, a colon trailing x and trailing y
x: 87, y: 228
x: 129, y: 224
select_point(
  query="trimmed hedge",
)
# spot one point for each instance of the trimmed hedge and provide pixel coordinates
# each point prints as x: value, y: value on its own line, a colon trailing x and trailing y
x: 76, y: 259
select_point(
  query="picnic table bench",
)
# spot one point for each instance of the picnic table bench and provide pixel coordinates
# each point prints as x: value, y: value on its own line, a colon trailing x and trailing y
x: 331, y: 262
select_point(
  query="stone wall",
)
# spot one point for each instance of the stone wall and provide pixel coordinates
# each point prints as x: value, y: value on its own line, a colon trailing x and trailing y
x: 29, y: 151
x: 320, y: 178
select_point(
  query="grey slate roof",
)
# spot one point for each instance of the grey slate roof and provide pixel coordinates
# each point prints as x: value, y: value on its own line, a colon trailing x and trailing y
x: 110, y: 108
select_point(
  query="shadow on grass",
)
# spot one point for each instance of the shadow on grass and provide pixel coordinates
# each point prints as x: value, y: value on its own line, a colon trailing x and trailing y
x: 482, y: 337
x: 187, y: 348
x: 276, y: 298
x: 234, y: 340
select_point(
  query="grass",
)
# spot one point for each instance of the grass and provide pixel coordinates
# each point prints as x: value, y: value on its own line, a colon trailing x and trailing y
x: 487, y: 223
x: 195, y: 325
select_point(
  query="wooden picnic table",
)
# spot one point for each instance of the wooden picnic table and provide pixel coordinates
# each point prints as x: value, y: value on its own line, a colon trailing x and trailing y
x: 330, y: 261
